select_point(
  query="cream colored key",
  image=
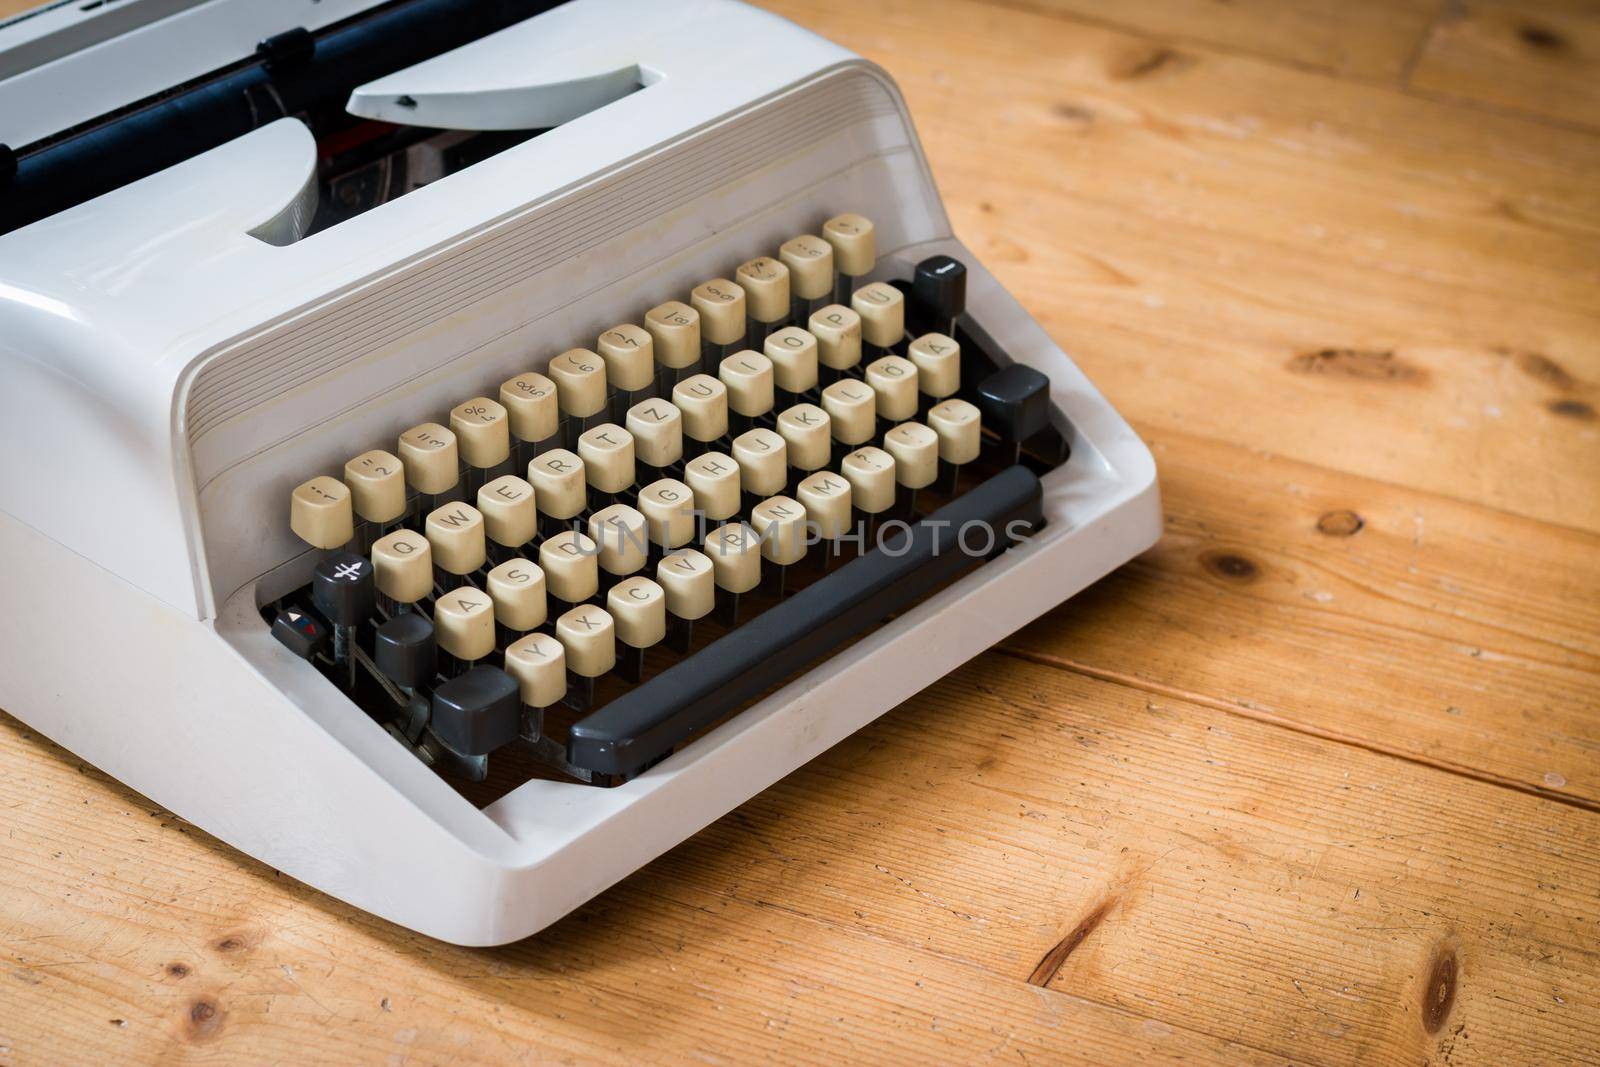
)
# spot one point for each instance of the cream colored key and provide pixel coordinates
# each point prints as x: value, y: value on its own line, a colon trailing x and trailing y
x: 668, y: 508
x: 703, y: 402
x: 938, y: 361
x: 456, y: 534
x: 883, y: 313
x: 854, y: 243
x: 714, y: 479
x: 483, y: 432
x: 630, y: 357
x: 675, y: 328
x: 580, y: 377
x: 377, y: 484
x: 853, y: 408
x: 509, y: 516
x: 826, y: 498
x: 763, y: 460
x: 686, y: 578
x: 915, y: 449
x: 810, y: 263
x: 765, y: 282
x: 402, y: 566
x: 781, y: 522
x: 735, y: 554
x: 571, y: 565
x: 870, y: 472
x: 793, y: 352
x: 807, y: 434
x: 463, y: 623
x: 560, y: 484
x: 590, y: 638
x: 838, y: 333
x: 959, y: 428
x: 623, y: 536
x: 428, y: 452
x: 747, y: 375
x: 530, y: 403
x: 320, y: 513
x: 539, y: 664
x: 657, y: 430
x: 894, y: 380
x: 638, y: 608
x: 517, y: 587
x: 722, y: 310
x: 607, y: 454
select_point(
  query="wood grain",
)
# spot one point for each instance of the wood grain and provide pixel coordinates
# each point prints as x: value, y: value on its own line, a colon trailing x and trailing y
x: 1312, y: 781
x: 1443, y: 632
x: 889, y: 902
x: 1361, y: 38
x: 1538, y: 58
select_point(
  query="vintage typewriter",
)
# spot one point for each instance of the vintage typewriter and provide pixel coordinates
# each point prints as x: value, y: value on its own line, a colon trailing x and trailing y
x: 455, y: 450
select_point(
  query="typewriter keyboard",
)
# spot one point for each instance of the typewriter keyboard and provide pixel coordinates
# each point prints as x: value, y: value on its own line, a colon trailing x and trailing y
x: 582, y: 568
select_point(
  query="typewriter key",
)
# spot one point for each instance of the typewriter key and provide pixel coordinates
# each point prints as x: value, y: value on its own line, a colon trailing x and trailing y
x: 534, y: 414
x: 629, y: 354
x: 690, y: 588
x: 883, y: 315
x: 765, y: 282
x: 713, y: 477
x: 570, y: 561
x: 463, y: 622
x: 588, y: 635
x: 320, y: 513
x: 402, y: 564
x: 855, y: 250
x: 747, y: 375
x: 539, y: 664
x: 377, y: 484
x: 810, y: 263
x: 432, y: 464
x: 721, y: 305
x: 958, y: 425
x: 517, y: 589
x: 638, y: 609
x: 838, y: 333
x: 703, y: 402
x: 793, y: 353
x: 510, y: 518
x: 675, y: 328
x: 483, y: 435
x: 456, y: 535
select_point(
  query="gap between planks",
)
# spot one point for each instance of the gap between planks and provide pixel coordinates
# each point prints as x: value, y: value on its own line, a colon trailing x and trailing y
x: 1260, y: 715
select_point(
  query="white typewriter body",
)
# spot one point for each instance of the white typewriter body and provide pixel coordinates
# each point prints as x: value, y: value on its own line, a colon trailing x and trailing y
x: 174, y: 362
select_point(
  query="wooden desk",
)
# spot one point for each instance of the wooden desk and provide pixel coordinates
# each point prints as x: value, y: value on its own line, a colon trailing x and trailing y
x: 1315, y: 780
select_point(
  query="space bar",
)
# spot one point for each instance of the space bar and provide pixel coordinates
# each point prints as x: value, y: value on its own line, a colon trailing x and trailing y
x: 632, y: 731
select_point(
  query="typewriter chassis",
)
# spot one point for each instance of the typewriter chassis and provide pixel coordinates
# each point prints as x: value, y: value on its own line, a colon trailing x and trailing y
x: 143, y: 607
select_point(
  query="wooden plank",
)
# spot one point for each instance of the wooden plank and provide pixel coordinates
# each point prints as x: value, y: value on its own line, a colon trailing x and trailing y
x: 1389, y: 286
x: 1229, y: 891
x: 1539, y: 58
x: 1440, y: 631
x: 1362, y: 38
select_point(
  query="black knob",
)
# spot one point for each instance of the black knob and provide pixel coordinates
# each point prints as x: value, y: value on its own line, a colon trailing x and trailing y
x: 342, y: 588
x: 1015, y: 402
x: 477, y: 712
x: 300, y: 632
x: 940, y: 288
x: 405, y: 650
